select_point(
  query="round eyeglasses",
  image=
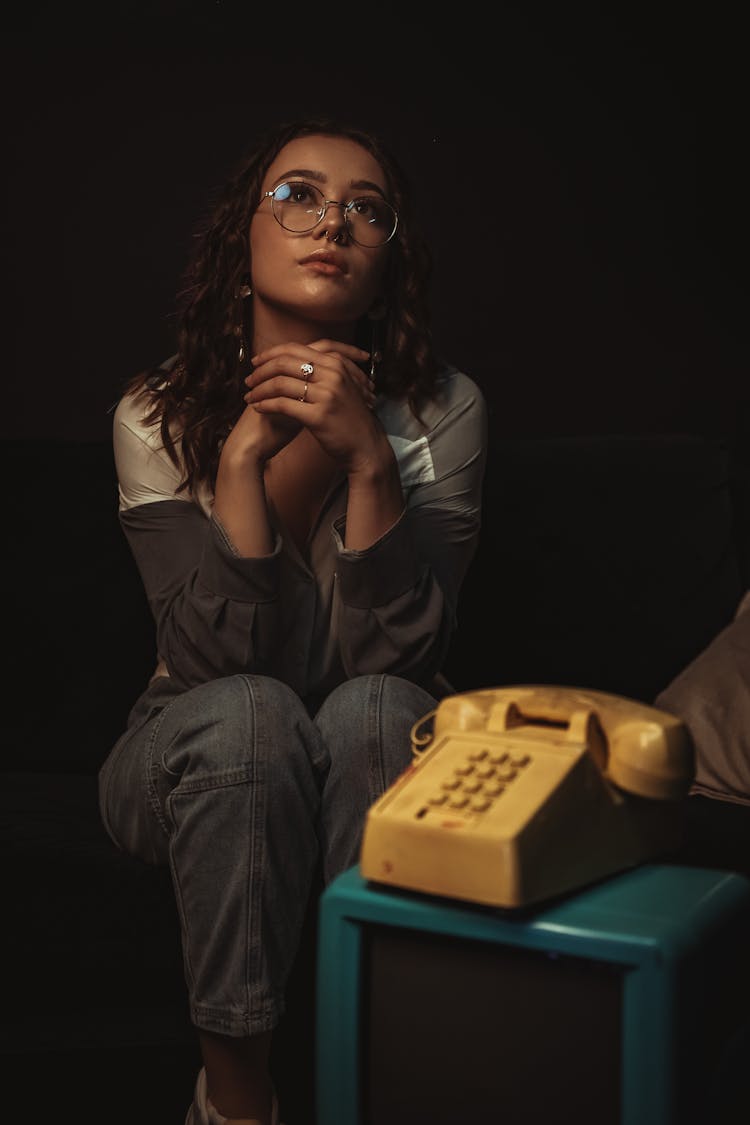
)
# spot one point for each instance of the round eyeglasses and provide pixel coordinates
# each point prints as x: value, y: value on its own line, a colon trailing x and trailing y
x: 299, y: 207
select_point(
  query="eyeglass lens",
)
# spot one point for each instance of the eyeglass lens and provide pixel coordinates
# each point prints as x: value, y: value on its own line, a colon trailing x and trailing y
x: 299, y: 207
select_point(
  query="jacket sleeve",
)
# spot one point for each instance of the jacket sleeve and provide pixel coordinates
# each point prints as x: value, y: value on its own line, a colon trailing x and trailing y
x: 397, y: 600
x: 215, y: 613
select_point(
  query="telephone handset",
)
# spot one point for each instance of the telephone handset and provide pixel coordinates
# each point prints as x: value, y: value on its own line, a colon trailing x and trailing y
x: 525, y: 792
x: 644, y: 751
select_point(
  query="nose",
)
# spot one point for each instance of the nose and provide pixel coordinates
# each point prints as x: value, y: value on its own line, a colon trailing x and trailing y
x: 333, y: 224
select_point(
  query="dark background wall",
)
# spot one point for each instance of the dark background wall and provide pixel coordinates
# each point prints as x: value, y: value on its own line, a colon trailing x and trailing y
x: 581, y: 171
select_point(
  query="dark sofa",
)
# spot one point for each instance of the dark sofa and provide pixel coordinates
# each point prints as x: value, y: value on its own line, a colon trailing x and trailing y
x: 606, y: 562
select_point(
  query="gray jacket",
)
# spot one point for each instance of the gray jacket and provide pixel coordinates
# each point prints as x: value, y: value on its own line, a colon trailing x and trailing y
x: 315, y: 617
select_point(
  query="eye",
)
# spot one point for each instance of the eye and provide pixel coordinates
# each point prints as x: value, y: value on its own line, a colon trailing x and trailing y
x: 367, y: 208
x: 296, y: 192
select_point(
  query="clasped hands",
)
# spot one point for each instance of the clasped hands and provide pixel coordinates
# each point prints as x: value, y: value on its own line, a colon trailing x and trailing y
x: 322, y: 388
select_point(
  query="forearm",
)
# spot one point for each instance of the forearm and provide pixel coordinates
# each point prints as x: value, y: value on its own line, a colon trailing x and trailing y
x: 240, y: 504
x: 375, y: 500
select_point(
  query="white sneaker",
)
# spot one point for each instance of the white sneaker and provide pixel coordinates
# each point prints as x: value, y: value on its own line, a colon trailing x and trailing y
x: 202, y: 1112
x: 198, y: 1114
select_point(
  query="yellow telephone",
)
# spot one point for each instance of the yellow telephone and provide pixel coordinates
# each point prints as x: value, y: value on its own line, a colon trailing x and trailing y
x: 523, y: 793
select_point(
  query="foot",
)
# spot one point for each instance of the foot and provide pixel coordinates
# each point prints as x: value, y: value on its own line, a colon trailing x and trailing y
x: 203, y: 1112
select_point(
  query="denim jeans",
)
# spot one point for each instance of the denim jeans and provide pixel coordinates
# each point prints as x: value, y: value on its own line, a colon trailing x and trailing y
x: 242, y: 791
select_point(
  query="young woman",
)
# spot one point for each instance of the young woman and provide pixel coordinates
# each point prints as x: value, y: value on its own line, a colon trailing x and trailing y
x: 300, y: 486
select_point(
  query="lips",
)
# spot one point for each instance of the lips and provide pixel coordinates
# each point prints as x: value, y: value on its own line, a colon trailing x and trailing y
x: 326, y: 261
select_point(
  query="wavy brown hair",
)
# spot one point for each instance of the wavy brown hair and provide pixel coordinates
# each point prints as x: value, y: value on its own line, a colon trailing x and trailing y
x: 197, y: 400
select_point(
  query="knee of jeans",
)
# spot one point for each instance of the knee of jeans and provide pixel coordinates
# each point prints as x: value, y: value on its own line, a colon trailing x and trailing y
x: 379, y: 696
x: 351, y: 698
x: 226, y: 725
x: 366, y: 724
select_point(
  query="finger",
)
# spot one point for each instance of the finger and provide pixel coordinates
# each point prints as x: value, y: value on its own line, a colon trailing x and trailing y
x: 303, y: 352
x: 286, y: 367
x: 274, y: 390
x: 327, y: 366
x: 351, y: 351
x: 279, y: 386
x: 353, y: 359
x: 347, y: 352
x: 291, y: 409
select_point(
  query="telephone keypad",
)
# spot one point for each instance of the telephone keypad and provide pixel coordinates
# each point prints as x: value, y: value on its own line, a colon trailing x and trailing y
x: 474, y: 788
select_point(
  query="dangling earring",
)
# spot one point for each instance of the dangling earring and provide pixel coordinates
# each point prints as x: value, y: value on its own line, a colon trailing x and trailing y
x: 376, y: 313
x: 243, y: 292
x: 375, y: 356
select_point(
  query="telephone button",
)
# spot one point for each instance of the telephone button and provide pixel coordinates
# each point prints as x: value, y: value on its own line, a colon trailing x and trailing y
x: 497, y: 759
x: 472, y: 786
x: 450, y: 783
x: 506, y: 773
x: 494, y: 789
x: 459, y: 802
x: 520, y: 759
x: 438, y: 799
x: 463, y: 770
x: 477, y: 755
x: 480, y: 804
x: 485, y: 771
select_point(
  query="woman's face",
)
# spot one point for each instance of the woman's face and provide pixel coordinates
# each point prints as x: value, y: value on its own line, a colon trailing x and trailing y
x: 320, y: 277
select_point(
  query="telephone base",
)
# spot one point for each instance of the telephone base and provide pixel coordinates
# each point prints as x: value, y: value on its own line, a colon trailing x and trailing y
x: 508, y: 815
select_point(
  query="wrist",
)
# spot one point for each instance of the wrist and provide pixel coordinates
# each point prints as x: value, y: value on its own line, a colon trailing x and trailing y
x: 241, y: 461
x: 374, y: 469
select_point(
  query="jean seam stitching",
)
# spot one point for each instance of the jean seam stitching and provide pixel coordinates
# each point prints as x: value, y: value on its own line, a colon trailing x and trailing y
x: 376, y: 769
x: 254, y: 898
